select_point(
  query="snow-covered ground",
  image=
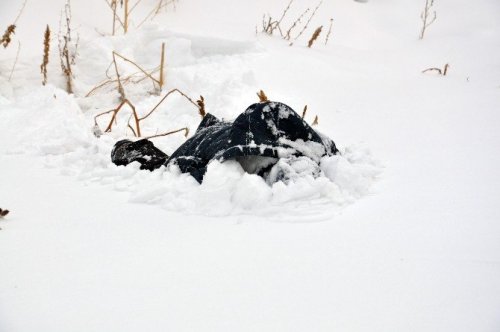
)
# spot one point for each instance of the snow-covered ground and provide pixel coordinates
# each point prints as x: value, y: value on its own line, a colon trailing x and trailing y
x: 401, y: 233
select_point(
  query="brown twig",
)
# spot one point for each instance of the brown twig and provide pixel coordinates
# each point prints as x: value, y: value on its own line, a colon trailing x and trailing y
x: 185, y: 129
x: 304, y: 112
x: 115, y: 112
x: 138, y: 67
x: 445, y: 70
x: 165, y: 97
x: 440, y: 71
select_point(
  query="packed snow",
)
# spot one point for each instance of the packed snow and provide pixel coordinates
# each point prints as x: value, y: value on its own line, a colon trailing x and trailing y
x: 399, y: 231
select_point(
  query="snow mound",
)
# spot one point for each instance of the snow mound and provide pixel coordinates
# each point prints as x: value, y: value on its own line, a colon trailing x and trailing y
x: 302, y: 191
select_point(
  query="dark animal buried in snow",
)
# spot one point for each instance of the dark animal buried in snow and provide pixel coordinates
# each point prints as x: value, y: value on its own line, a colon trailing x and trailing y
x: 269, y: 139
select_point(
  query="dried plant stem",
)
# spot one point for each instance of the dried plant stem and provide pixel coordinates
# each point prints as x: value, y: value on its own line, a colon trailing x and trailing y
x: 67, y: 59
x: 315, y: 122
x: 15, y: 61
x: 314, y: 36
x: 295, y: 23
x: 124, y: 81
x: 308, y: 21
x: 284, y: 14
x: 115, y: 112
x: 125, y: 17
x: 185, y: 129
x: 424, y: 16
x: 138, y: 67
x: 304, y: 112
x: 121, y: 91
x: 46, y: 50
x: 445, y: 70
x: 440, y: 71
x: 20, y: 12
x: 113, y: 8
x: 162, y: 65
x: 329, y: 31
x: 165, y: 97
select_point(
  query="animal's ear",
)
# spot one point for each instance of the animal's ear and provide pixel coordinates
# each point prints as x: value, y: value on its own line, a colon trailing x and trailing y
x: 208, y: 121
x: 3, y: 213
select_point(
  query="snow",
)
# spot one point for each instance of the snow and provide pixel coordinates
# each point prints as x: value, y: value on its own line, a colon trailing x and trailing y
x: 398, y: 232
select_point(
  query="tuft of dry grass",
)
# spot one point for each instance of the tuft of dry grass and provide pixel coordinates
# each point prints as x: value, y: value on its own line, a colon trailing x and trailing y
x: 201, y: 106
x: 262, y: 96
x: 315, y: 121
x: 6, y: 38
x: 46, y: 50
x: 314, y: 36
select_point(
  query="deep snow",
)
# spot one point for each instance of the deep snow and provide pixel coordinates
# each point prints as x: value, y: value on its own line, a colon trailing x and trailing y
x: 409, y: 237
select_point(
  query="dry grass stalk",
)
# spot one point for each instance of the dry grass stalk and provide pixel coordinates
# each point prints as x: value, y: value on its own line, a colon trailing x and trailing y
x: 269, y: 25
x: 168, y: 94
x: 185, y: 129
x: 304, y: 112
x: 315, y: 122
x: 156, y: 10
x: 424, y: 16
x: 66, y: 56
x: 15, y: 61
x: 46, y: 49
x: 308, y: 21
x: 11, y: 29
x: 113, y: 6
x: 124, y: 81
x: 314, y: 36
x: 115, y: 112
x: 295, y: 23
x: 162, y: 65
x: 445, y: 70
x: 121, y: 91
x: 155, y: 81
x: 329, y: 31
x: 6, y: 38
x: 137, y: 119
x: 440, y: 71
x: 262, y: 96
x: 125, y: 17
